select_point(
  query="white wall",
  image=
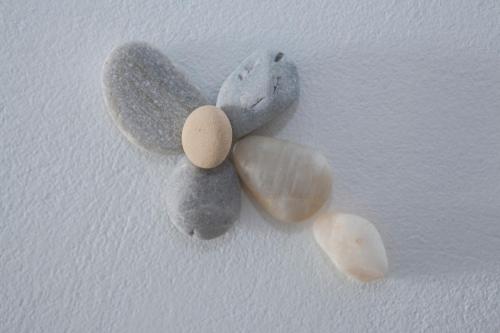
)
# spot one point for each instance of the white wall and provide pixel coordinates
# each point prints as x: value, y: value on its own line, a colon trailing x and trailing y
x: 402, y: 96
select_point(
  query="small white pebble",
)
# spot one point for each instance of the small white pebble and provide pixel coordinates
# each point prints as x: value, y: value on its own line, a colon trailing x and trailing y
x: 353, y: 244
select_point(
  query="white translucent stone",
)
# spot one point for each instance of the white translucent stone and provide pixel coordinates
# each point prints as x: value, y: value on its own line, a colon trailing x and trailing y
x: 291, y: 182
x: 353, y: 244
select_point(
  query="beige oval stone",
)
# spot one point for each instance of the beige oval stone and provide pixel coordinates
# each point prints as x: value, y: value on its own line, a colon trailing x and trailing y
x: 291, y: 182
x: 353, y: 244
x: 207, y: 137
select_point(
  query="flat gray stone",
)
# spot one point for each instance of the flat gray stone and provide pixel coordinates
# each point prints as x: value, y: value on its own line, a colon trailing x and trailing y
x: 203, y: 202
x: 264, y: 85
x: 148, y: 98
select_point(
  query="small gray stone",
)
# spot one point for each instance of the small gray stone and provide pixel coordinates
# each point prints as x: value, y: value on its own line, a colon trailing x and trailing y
x: 263, y: 86
x: 148, y: 97
x: 203, y: 202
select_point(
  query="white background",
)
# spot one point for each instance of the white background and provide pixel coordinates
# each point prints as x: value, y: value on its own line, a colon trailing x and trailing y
x: 403, y: 97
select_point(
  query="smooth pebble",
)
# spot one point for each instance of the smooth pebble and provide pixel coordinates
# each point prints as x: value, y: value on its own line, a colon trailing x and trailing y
x: 203, y: 203
x: 207, y: 137
x: 291, y: 182
x: 353, y: 244
x: 264, y: 85
x: 148, y: 98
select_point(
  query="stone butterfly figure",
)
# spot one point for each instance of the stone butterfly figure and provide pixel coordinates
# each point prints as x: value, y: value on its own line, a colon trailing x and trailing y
x: 158, y: 109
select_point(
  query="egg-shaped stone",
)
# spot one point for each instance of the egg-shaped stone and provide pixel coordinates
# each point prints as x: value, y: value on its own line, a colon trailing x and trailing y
x: 291, y: 182
x: 207, y: 137
x: 353, y: 244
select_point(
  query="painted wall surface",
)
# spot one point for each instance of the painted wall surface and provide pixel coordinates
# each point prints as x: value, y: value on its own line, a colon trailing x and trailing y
x: 403, y: 97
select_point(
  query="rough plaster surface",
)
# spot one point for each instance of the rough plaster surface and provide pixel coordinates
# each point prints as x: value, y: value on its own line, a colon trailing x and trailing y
x: 402, y: 96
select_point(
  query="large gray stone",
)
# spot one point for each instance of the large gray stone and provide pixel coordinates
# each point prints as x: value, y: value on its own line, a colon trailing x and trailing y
x: 203, y: 202
x: 148, y: 97
x: 264, y: 85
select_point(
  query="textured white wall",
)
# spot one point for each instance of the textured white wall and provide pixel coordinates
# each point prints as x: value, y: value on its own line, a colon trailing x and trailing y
x: 402, y: 96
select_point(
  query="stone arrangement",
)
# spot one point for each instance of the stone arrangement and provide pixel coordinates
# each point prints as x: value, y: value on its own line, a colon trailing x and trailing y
x: 157, y: 108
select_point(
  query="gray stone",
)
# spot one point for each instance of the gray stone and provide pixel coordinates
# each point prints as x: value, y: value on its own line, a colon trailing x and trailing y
x: 148, y: 98
x: 203, y: 202
x: 263, y: 86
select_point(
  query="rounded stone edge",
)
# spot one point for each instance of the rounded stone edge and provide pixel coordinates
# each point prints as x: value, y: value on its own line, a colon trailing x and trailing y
x: 177, y: 188
x: 107, y: 72
x: 228, y: 141
x: 271, y: 56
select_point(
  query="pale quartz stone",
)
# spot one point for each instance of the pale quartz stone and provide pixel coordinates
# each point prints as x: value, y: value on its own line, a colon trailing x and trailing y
x: 207, y: 137
x: 291, y: 182
x: 353, y: 244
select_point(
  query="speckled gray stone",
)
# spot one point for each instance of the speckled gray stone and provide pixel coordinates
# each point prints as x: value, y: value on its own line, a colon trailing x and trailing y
x: 203, y: 202
x: 264, y: 85
x: 148, y: 97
